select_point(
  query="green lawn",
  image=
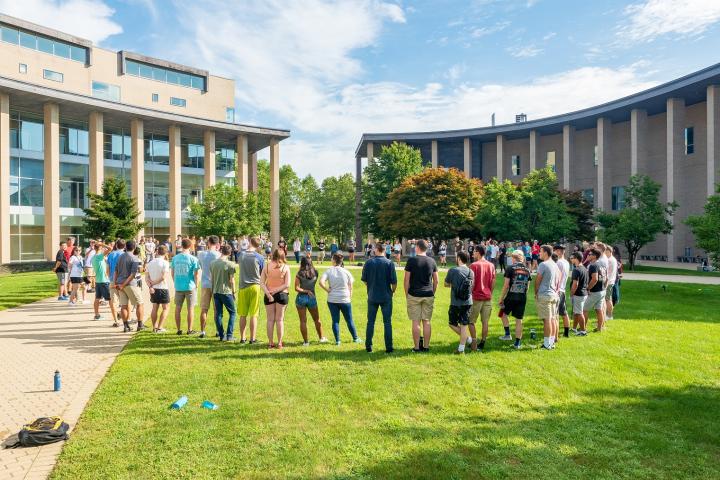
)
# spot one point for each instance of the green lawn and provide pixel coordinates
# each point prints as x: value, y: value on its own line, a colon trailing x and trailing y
x: 637, y: 401
x: 21, y: 288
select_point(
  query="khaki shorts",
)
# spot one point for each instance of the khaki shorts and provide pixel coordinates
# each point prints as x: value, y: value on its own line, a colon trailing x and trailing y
x: 482, y: 309
x: 130, y: 295
x: 114, y: 296
x: 547, y: 307
x: 191, y: 297
x: 609, y: 291
x: 420, y: 308
x: 206, y: 298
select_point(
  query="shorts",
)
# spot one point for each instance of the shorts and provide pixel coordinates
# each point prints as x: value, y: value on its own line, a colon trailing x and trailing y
x: 115, y: 296
x: 514, y: 307
x: 595, y: 301
x: 578, y: 304
x: 190, y: 295
x: 536, y: 257
x: 62, y: 277
x: 206, y: 298
x: 458, y: 315
x: 76, y: 280
x: 562, y: 304
x: 160, y: 296
x: 303, y: 300
x: 89, y: 271
x: 130, y: 295
x: 281, y: 298
x: 547, y: 307
x: 351, y: 250
x: 420, y: 308
x: 609, y: 291
x: 482, y: 309
x: 248, y: 301
x: 102, y: 291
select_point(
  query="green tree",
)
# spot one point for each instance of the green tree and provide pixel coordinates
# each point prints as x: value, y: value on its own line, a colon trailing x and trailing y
x: 582, y: 214
x: 435, y: 203
x: 642, y: 219
x: 395, y: 163
x: 544, y: 212
x: 501, y: 211
x: 291, y: 212
x: 337, y: 201
x: 309, y: 196
x: 706, y: 228
x: 113, y: 213
x: 225, y: 210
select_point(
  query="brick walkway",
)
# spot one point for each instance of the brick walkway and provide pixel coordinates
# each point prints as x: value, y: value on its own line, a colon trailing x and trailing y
x: 36, y: 340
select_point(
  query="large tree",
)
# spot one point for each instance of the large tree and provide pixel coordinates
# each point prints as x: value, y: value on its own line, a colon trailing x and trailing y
x: 395, y: 163
x: 337, y: 202
x: 706, y: 228
x: 225, y: 210
x: 642, y: 219
x: 582, y: 213
x: 501, y: 211
x: 435, y: 203
x: 113, y: 213
x: 544, y: 212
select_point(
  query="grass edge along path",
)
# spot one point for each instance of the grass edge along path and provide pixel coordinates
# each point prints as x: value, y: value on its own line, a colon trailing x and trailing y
x: 21, y: 288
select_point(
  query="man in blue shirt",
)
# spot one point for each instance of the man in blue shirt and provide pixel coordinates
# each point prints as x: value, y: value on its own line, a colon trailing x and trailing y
x: 112, y: 259
x: 186, y: 274
x: 381, y: 280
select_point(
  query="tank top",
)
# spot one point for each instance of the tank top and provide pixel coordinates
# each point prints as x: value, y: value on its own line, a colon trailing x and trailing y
x: 276, y: 275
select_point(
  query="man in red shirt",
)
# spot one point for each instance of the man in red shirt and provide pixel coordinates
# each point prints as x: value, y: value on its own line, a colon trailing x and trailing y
x: 484, y: 273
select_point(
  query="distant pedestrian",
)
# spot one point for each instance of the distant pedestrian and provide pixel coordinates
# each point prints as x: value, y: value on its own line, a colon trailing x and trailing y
x: 564, y: 267
x: 61, y: 271
x: 128, y: 287
x: 546, y: 296
x: 250, y: 293
x: 579, y: 292
x: 102, y: 277
x: 206, y: 258
x: 460, y: 279
x: 483, y: 286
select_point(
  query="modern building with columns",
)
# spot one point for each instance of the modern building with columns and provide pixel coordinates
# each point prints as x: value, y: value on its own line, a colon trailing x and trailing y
x: 73, y: 114
x: 670, y: 132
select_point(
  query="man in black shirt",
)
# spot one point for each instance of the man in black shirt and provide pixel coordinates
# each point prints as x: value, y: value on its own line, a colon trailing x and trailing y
x: 61, y: 270
x: 514, y: 294
x: 597, y: 277
x: 421, y: 281
x: 579, y: 293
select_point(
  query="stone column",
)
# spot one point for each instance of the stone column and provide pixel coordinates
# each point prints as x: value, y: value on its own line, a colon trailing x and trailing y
x: 603, y: 143
x: 534, y: 149
x: 241, y: 169
x: 274, y: 191
x: 713, y: 135
x: 4, y: 178
x: 97, y: 161
x: 467, y: 157
x: 137, y: 173
x: 209, y: 163
x: 568, y: 148
x: 675, y: 137
x: 433, y: 154
x: 174, y: 181
x: 51, y: 182
x: 500, y: 143
x: 638, y: 140
x: 252, y: 173
x: 370, y: 153
x: 358, y: 199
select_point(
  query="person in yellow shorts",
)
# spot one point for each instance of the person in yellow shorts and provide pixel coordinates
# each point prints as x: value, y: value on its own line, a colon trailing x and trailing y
x: 250, y: 293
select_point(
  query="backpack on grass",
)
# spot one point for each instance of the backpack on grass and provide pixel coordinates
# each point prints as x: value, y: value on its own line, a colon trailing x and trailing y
x: 42, y: 431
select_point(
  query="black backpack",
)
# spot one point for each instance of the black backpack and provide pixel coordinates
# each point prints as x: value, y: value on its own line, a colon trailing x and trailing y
x: 464, y: 290
x: 42, y: 431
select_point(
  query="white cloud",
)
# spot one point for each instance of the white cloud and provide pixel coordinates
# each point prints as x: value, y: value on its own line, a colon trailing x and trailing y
x: 91, y: 19
x: 455, y: 72
x: 485, y: 31
x: 653, y: 18
x: 525, y: 51
x: 549, y: 36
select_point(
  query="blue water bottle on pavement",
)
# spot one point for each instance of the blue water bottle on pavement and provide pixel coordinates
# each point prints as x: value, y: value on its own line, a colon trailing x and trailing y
x: 57, y: 383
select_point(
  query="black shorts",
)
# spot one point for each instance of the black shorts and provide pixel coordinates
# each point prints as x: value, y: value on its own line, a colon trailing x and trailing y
x: 459, y: 315
x: 280, y: 298
x: 562, y: 305
x: 76, y: 280
x: 351, y: 250
x: 514, y: 307
x: 161, y: 296
x: 102, y: 291
x: 536, y: 256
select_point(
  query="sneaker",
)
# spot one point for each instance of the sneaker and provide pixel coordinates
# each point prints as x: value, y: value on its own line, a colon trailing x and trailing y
x: 97, y: 317
x: 140, y: 327
x: 191, y: 332
x: 202, y: 335
x: 574, y: 330
x: 306, y: 344
x: 516, y: 347
x: 243, y: 341
x: 115, y: 325
x: 324, y: 340
x: 416, y: 350
x: 337, y: 342
x: 126, y: 328
x: 390, y: 351
x: 580, y: 333
x: 596, y: 330
x: 458, y: 352
x: 544, y: 347
x: 505, y: 338
x: 179, y: 332
x: 358, y: 340
x: 160, y: 330
x: 61, y: 298
x: 609, y: 318
x: 253, y: 341
x: 368, y: 349
x: 230, y: 339
x: 469, y: 341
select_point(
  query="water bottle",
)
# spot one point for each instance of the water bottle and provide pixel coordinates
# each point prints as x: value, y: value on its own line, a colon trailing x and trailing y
x: 532, y: 333
x: 57, y: 383
x: 209, y: 405
x: 179, y: 403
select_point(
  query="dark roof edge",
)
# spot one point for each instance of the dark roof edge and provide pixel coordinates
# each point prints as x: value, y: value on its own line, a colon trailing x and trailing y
x: 48, y: 32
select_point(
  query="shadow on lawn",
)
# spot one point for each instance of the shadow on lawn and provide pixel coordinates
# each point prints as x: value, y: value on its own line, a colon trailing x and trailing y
x: 628, y: 433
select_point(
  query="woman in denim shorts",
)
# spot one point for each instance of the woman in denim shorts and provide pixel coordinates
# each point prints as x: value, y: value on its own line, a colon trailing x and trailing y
x: 305, y: 281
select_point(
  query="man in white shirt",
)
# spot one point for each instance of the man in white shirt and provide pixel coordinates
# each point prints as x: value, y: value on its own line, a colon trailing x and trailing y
x: 88, y: 268
x: 156, y: 276
x: 149, y: 250
x: 564, y: 267
x: 612, y: 272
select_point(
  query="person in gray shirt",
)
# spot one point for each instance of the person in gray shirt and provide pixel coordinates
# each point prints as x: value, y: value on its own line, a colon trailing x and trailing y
x: 128, y: 287
x: 250, y: 293
x: 547, y: 285
x: 460, y: 279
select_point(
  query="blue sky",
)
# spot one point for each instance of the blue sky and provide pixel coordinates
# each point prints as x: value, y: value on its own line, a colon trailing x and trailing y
x: 331, y: 70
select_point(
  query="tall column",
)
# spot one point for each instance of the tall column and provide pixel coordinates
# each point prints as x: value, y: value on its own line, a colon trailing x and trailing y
x: 603, y: 143
x: 370, y: 153
x: 241, y: 169
x: 51, y: 145
x: 358, y: 193
x: 252, y: 173
x: 209, y: 163
x: 174, y: 181
x: 675, y: 150
x: 500, y: 143
x: 4, y: 178
x: 534, y: 149
x: 137, y: 173
x: 713, y: 135
x: 433, y: 154
x: 568, y: 148
x: 638, y: 140
x: 274, y: 191
x: 467, y: 157
x: 96, y: 152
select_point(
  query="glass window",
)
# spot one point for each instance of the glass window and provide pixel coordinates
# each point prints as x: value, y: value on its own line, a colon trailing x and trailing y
x: 173, y: 77
x: 178, y: 102
x: 515, y: 165
x: 618, y: 198
x: 164, y: 75
x: 9, y: 35
x: 132, y: 68
x: 28, y: 40
x: 156, y: 191
x: 155, y: 97
x: 116, y: 144
x: 78, y: 54
x: 22, y: 68
x: 689, y: 140
x: 198, y: 82
x: 73, y: 185
x: 185, y: 80
x: 550, y: 159
x: 45, y: 45
x: 61, y: 49
x: 159, y: 74
x: 589, y: 195
x: 74, y: 139
x: 595, y: 156
x: 191, y: 190
x: 157, y: 149
x: 27, y: 234
x: 230, y: 115
x: 106, y: 91
x: 54, y: 76
x: 193, y: 153
x: 31, y: 134
x: 225, y: 158
x: 145, y: 71
x: 26, y: 182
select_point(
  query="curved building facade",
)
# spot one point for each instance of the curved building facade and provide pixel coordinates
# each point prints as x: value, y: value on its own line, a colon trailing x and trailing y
x: 670, y: 132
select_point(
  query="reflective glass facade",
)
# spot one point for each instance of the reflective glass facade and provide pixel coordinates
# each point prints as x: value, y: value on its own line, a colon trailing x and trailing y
x: 165, y: 75
x: 10, y: 34
x: 225, y: 158
x: 26, y: 182
x: 27, y: 234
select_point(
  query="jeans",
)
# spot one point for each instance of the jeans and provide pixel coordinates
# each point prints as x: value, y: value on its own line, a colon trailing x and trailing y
x: 228, y: 301
x: 297, y: 257
x: 616, y: 293
x: 346, y: 309
x: 386, y: 309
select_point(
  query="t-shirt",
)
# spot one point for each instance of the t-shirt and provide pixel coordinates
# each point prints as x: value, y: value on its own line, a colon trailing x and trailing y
x: 296, y: 246
x: 127, y: 267
x: 526, y: 250
x: 112, y: 259
x: 471, y: 250
x: 184, y: 267
x: 564, y: 267
x: 251, y: 265
x: 456, y: 277
x: 60, y: 257
x: 580, y: 274
x: 601, y: 270
x: 321, y: 246
x: 222, y: 271
x: 493, y: 251
x: 443, y: 250
x: 421, y: 269
x: 550, y: 273
x: 484, y: 275
x: 333, y: 248
x: 157, y: 269
x: 535, y: 249
x: 244, y: 244
x: 89, y: 254
x: 307, y: 284
x: 338, y: 279
x: 76, y: 266
x: 206, y: 258
x: 149, y: 248
x: 519, y: 277
x: 99, y: 265
x: 612, y: 270
x: 379, y: 273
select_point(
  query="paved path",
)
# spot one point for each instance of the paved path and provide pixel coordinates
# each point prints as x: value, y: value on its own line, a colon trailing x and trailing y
x: 36, y: 340
x: 654, y: 277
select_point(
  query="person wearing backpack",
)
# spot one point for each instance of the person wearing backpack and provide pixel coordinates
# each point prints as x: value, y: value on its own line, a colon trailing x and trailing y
x: 514, y: 294
x: 596, y: 289
x: 460, y: 279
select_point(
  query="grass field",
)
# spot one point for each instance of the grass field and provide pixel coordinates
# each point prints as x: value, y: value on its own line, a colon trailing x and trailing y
x: 21, y: 288
x: 638, y: 401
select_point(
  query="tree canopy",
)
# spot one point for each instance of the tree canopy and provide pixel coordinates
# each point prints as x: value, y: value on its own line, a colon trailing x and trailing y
x: 225, y: 210
x: 113, y: 213
x: 706, y: 228
x: 545, y: 213
x: 336, y: 207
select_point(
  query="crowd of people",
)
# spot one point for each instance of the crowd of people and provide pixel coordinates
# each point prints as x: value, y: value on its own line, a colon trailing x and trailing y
x: 204, y: 271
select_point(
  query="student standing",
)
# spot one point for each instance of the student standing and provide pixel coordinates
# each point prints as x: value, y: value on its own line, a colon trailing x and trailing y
x: 186, y: 275
x: 397, y: 249
x: 460, y: 279
x: 61, y: 271
x: 112, y: 258
x: 338, y: 283
x: 379, y: 276
x: 88, y: 267
x: 250, y: 293
x: 321, y: 251
x: 306, y: 300
x: 222, y: 276
x: 128, y: 286
x: 351, y: 249
x: 579, y: 293
x: 443, y: 254
x: 156, y: 276
x: 612, y: 275
x: 102, y: 277
x: 296, y: 249
x: 483, y: 285
x: 546, y: 296
x: 275, y: 280
x: 421, y: 281
x: 564, y: 267
x: 206, y: 258
x: 597, y: 273
x: 514, y: 294
x: 76, y: 266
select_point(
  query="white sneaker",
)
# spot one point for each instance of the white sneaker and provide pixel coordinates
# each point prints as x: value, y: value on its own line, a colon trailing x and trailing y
x: 324, y: 340
x: 609, y: 318
x: 468, y: 340
x: 161, y: 330
x: 506, y: 338
x: 358, y: 340
x: 306, y: 344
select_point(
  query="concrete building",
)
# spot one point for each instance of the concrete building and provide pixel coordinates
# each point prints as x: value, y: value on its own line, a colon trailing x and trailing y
x: 670, y: 132
x: 72, y: 114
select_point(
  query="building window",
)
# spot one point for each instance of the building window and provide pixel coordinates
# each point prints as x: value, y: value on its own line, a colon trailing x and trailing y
x: 155, y: 97
x: 26, y: 182
x: 106, y: 91
x: 27, y: 235
x: 618, y: 198
x: 550, y: 160
x: 192, y: 153
x: 22, y: 68
x: 165, y: 75
x: 225, y: 158
x: 54, y: 76
x: 589, y: 195
x: 689, y: 140
x: 515, y: 165
x: 230, y: 115
x: 595, y: 156
x: 44, y: 44
x: 178, y: 102
x: 26, y: 132
x: 73, y: 185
